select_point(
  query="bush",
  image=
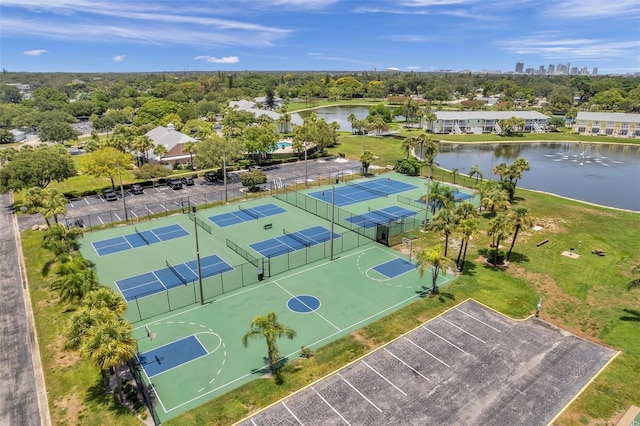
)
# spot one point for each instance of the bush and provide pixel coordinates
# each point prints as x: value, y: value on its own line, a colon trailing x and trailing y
x: 252, y: 179
x: 491, y: 256
x: 410, y: 167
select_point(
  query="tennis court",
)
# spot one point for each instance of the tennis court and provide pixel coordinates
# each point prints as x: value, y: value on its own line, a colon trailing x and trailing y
x: 170, y: 277
x: 138, y: 239
x: 292, y: 241
x: 246, y: 214
x: 321, y: 301
x: 385, y: 215
x: 363, y: 190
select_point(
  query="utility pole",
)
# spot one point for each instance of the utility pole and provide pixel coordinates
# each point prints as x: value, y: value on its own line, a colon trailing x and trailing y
x: 195, y: 225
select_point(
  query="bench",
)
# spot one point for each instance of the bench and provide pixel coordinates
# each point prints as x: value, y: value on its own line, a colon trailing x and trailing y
x: 599, y: 252
x: 267, y: 226
x: 542, y: 242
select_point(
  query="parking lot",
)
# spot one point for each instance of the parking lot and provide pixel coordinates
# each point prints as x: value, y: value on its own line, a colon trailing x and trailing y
x: 157, y: 200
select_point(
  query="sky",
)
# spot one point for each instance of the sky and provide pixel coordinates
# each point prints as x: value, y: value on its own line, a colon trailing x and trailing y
x: 318, y: 35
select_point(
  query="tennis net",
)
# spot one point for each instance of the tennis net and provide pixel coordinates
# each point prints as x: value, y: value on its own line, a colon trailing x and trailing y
x: 297, y: 238
x: 175, y: 271
x: 366, y: 188
x: 141, y: 235
x: 250, y: 212
x: 384, y: 214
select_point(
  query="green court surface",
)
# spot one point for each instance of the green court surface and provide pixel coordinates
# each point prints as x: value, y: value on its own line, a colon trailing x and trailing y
x: 351, y: 295
x: 339, y: 296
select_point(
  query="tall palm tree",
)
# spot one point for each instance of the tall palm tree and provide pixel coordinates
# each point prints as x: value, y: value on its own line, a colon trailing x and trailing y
x: 351, y: 118
x: 495, y: 199
x: 60, y: 240
x: 54, y: 203
x: 430, y: 117
x: 468, y: 228
x: 110, y: 344
x: 79, y: 323
x: 444, y: 223
x: 501, y: 170
x: 76, y: 278
x: 267, y: 326
x: 499, y: 229
x: 432, y: 258
x: 142, y: 144
x: 454, y: 174
x: 514, y: 173
x: 159, y: 151
x: 475, y: 171
x: 429, y: 152
x: 519, y: 217
x: 408, y: 144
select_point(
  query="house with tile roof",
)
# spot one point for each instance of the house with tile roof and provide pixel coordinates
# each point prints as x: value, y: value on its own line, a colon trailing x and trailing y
x: 173, y: 141
x: 607, y: 123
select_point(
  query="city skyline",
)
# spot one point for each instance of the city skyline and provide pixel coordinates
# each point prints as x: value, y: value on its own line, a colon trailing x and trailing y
x: 307, y: 35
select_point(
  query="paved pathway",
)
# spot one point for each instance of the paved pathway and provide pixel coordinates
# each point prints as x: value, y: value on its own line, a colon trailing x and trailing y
x: 18, y: 388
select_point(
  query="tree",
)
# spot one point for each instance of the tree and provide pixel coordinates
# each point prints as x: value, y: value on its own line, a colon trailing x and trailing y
x: 60, y: 240
x: 519, y: 217
x: 57, y: 132
x: 514, y: 173
x: 76, y: 278
x: 268, y: 327
x: 260, y: 140
x: 216, y: 151
x: 36, y: 167
x: 499, y: 228
x: 151, y: 171
x: 444, y: 223
x: 252, y: 179
x: 409, y: 144
x: 6, y: 137
x: 159, y: 151
x: 468, y: 228
x: 109, y: 344
x: 432, y: 258
x: 105, y: 298
x: 496, y: 198
x: 366, y: 159
x: 512, y: 126
x: 351, y: 118
x: 454, y: 174
x: 54, y: 203
x: 106, y: 162
x: 429, y: 151
x: 81, y: 321
x: 142, y: 144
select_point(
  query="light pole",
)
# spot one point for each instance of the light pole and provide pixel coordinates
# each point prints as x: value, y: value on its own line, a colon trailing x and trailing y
x: 126, y: 215
x: 195, y: 225
x: 306, y: 174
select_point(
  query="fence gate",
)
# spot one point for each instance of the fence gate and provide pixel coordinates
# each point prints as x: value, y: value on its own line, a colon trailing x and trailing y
x: 382, y: 234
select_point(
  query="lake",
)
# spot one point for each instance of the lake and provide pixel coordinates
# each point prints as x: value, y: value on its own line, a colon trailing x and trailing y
x: 606, y: 174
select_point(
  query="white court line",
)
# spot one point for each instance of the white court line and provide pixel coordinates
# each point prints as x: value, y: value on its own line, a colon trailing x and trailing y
x: 428, y: 353
x: 437, y: 335
x: 481, y: 322
x: 308, y: 307
x: 384, y: 378
x: 159, y: 280
x: 291, y: 412
x: 360, y: 393
x: 464, y: 331
x: 410, y: 367
x: 330, y: 406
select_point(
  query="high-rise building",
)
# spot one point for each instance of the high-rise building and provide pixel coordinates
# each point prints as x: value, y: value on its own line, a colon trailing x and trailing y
x: 551, y: 69
x: 519, y: 67
x: 542, y: 71
x: 595, y: 71
x: 574, y: 71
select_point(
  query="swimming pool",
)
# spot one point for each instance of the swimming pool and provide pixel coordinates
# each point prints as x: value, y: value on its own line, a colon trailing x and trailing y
x: 283, y: 144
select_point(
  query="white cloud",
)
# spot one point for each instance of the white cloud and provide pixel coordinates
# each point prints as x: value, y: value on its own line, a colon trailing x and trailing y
x: 413, y: 68
x: 119, y: 58
x: 223, y: 60
x: 35, y: 52
x: 580, y: 9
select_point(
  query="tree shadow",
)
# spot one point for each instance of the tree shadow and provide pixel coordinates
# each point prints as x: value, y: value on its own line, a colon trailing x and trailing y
x: 634, y: 315
x: 98, y: 394
x: 519, y: 257
x: 469, y: 268
x: 443, y: 296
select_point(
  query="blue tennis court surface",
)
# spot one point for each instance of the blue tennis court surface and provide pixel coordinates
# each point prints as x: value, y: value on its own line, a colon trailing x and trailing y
x: 386, y: 215
x: 164, y: 279
x: 246, y: 214
x: 363, y: 190
x: 293, y: 241
x: 461, y: 196
x: 130, y: 241
x: 171, y: 355
x: 395, y: 267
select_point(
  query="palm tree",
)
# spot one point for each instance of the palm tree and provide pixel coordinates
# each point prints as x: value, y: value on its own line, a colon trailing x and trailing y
x: 468, y: 228
x: 432, y: 258
x: 430, y: 117
x: 105, y: 298
x: 159, y: 151
x: 519, y: 217
x: 76, y: 278
x: 60, y: 240
x: 80, y: 321
x: 267, y: 326
x: 351, y: 118
x: 495, y: 199
x: 408, y: 144
x: 501, y: 170
x: 419, y: 116
x: 54, y: 203
x: 190, y: 147
x: 519, y: 166
x: 475, y: 171
x: 143, y: 144
x: 499, y: 229
x: 444, y: 223
x: 454, y: 174
x: 110, y: 344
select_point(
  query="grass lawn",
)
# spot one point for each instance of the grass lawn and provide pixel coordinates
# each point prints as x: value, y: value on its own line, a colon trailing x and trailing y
x: 587, y: 296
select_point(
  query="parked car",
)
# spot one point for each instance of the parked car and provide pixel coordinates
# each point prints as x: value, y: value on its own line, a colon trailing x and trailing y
x: 174, y: 183
x: 187, y: 181
x: 254, y: 168
x: 210, y: 177
x: 136, y: 189
x: 109, y: 195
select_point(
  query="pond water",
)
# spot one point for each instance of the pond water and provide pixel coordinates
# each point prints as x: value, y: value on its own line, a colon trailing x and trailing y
x: 339, y: 114
x: 605, y: 174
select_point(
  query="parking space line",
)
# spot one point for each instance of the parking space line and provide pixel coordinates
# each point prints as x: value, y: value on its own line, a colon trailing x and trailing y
x: 410, y: 367
x: 464, y: 331
x: 428, y: 353
x: 86, y: 200
x: 291, y: 412
x: 330, y: 406
x: 384, y: 378
x: 117, y: 217
x: 359, y: 393
x: 148, y: 209
x: 437, y: 335
x: 164, y: 207
x: 100, y: 219
x: 480, y: 321
x: 71, y: 204
x: 133, y: 213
